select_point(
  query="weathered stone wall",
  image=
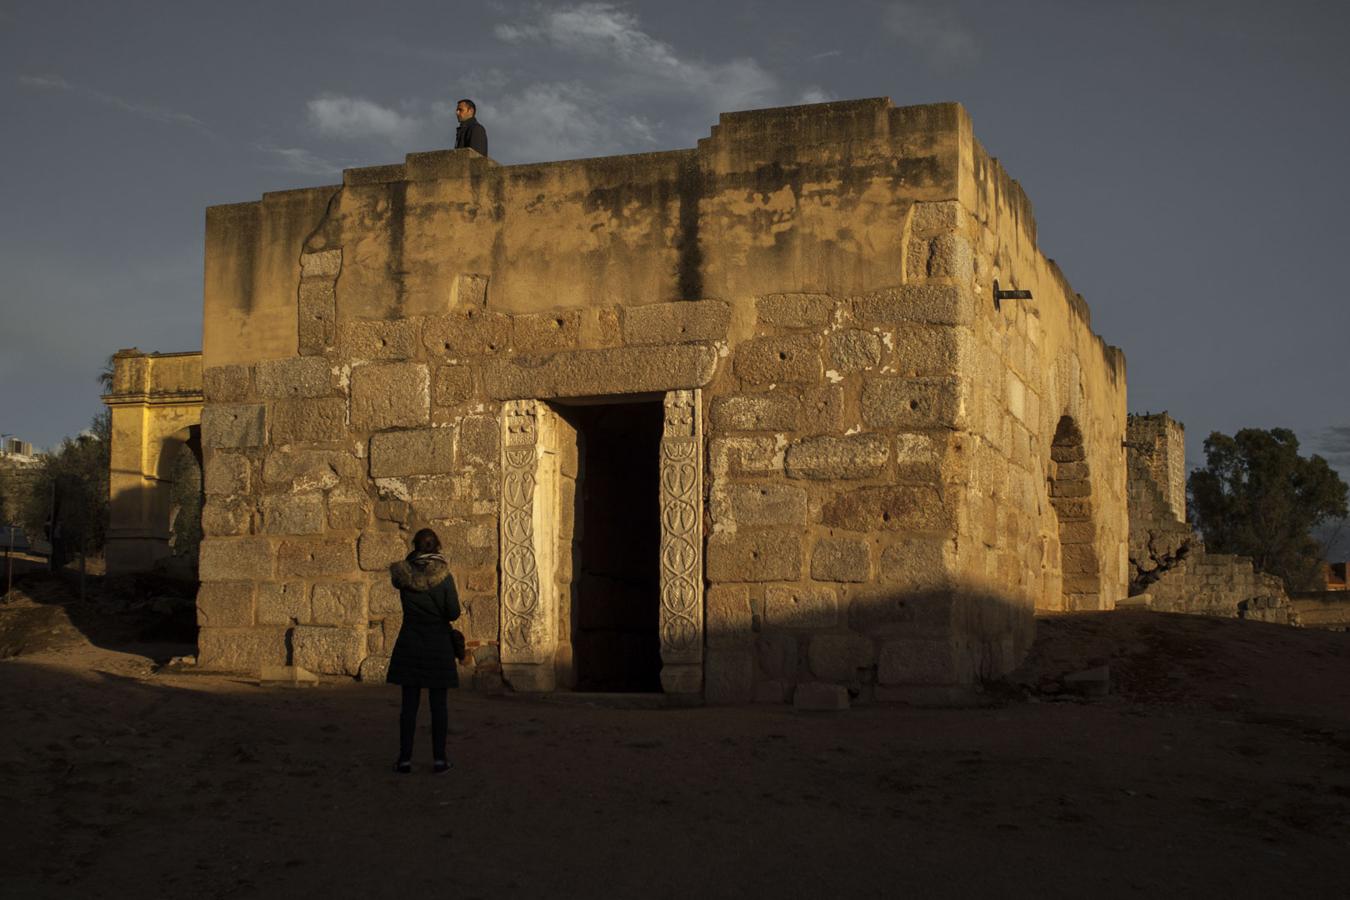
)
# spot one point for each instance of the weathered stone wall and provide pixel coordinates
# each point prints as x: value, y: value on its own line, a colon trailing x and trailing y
x: 811, y: 291
x: 1170, y: 568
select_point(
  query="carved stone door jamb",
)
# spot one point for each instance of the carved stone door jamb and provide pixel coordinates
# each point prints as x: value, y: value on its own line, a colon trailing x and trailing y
x: 682, y: 544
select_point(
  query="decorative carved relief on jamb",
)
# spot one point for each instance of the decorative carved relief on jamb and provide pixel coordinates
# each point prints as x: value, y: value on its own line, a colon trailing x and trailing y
x: 682, y: 530
x: 524, y: 624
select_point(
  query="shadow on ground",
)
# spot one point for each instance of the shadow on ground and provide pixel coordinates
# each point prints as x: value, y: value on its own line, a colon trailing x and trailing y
x: 1216, y: 770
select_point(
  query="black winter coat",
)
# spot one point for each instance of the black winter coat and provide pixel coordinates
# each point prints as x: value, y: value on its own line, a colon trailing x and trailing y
x: 424, y: 654
x: 472, y: 135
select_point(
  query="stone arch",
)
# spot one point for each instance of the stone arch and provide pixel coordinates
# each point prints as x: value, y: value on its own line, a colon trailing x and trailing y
x: 180, y: 470
x: 156, y: 406
x: 1070, y: 487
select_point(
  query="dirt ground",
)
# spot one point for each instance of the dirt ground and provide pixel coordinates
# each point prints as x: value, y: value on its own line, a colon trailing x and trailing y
x: 1218, y: 766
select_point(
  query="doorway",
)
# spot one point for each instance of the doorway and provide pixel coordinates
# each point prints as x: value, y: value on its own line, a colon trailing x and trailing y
x: 616, y: 546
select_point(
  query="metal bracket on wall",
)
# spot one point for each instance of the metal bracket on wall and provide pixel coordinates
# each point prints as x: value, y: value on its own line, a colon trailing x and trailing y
x: 1000, y: 295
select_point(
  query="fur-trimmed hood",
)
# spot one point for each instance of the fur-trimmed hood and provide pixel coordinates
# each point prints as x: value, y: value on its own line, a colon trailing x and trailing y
x: 419, y: 573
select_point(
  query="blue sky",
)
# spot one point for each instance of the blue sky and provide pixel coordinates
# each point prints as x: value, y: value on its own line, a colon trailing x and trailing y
x: 1186, y: 160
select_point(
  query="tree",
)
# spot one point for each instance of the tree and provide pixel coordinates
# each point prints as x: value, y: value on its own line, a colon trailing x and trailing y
x: 71, y: 488
x: 1257, y: 497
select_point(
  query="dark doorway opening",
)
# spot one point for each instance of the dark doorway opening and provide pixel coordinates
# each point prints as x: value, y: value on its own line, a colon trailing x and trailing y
x: 616, y: 587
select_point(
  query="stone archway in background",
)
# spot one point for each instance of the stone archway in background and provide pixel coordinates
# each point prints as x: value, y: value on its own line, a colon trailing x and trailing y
x: 1070, y: 487
x: 156, y: 406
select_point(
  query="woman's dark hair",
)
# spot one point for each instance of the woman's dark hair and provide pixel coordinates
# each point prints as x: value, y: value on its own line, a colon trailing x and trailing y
x: 426, y: 541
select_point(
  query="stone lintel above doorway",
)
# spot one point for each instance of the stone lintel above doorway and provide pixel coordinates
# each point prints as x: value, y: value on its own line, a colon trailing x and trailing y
x: 582, y: 373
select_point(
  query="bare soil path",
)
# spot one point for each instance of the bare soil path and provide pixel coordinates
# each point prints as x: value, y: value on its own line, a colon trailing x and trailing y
x: 1219, y: 767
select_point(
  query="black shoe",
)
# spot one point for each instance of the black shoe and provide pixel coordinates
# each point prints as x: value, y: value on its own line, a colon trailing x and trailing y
x: 440, y: 766
x: 403, y: 768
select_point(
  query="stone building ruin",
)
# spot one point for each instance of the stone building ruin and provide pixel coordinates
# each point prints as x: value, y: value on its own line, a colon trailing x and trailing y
x: 721, y: 422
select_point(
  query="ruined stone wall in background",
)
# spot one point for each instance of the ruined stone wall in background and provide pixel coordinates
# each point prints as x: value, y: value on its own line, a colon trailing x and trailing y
x: 810, y: 293
x: 1171, y: 570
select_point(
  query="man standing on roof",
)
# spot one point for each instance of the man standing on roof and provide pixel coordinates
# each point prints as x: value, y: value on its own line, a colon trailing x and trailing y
x: 469, y: 133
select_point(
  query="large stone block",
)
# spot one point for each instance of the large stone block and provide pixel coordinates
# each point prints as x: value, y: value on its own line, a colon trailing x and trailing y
x: 361, y: 340
x: 294, y: 377
x: 580, y: 373
x: 768, y: 555
x: 951, y: 256
x: 940, y: 304
x: 544, y: 332
x: 777, y: 411
x: 226, y: 384
x: 227, y: 516
x: 829, y: 457
x: 306, y: 469
x: 727, y: 622
x: 823, y: 408
x: 482, y: 613
x: 756, y: 505
x: 339, y: 603
x: 853, y: 350
x: 378, y: 550
x: 235, y: 559
x: 795, y: 310
x: 240, y: 649
x: 839, y: 657
x: 893, y: 611
x: 286, y: 603
x: 324, y: 264
x: 383, y: 599
x: 728, y: 676
x: 329, y: 651
x: 480, y: 440
x: 918, y: 563
x: 225, y: 604
x: 913, y: 403
x: 889, y: 508
x: 293, y: 513
x: 390, y: 395
x: 745, y: 456
x: 800, y: 606
x: 317, y: 317
x: 227, y: 425
x: 778, y: 656
x: 778, y: 360
x: 348, y: 508
x: 467, y: 332
x: 918, y: 661
x: 937, y: 217
x: 309, y: 421
x: 227, y: 473
x: 841, y: 559
x: 316, y: 558
x: 454, y: 384
x: 923, y: 349
x: 676, y: 323
x: 426, y: 451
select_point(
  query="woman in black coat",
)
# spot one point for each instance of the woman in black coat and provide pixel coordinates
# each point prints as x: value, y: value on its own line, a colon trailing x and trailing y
x: 424, y: 654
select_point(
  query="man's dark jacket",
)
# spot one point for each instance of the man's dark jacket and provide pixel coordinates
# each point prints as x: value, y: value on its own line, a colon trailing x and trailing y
x: 472, y: 135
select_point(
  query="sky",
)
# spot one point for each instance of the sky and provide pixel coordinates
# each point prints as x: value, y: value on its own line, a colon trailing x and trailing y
x: 1186, y: 160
